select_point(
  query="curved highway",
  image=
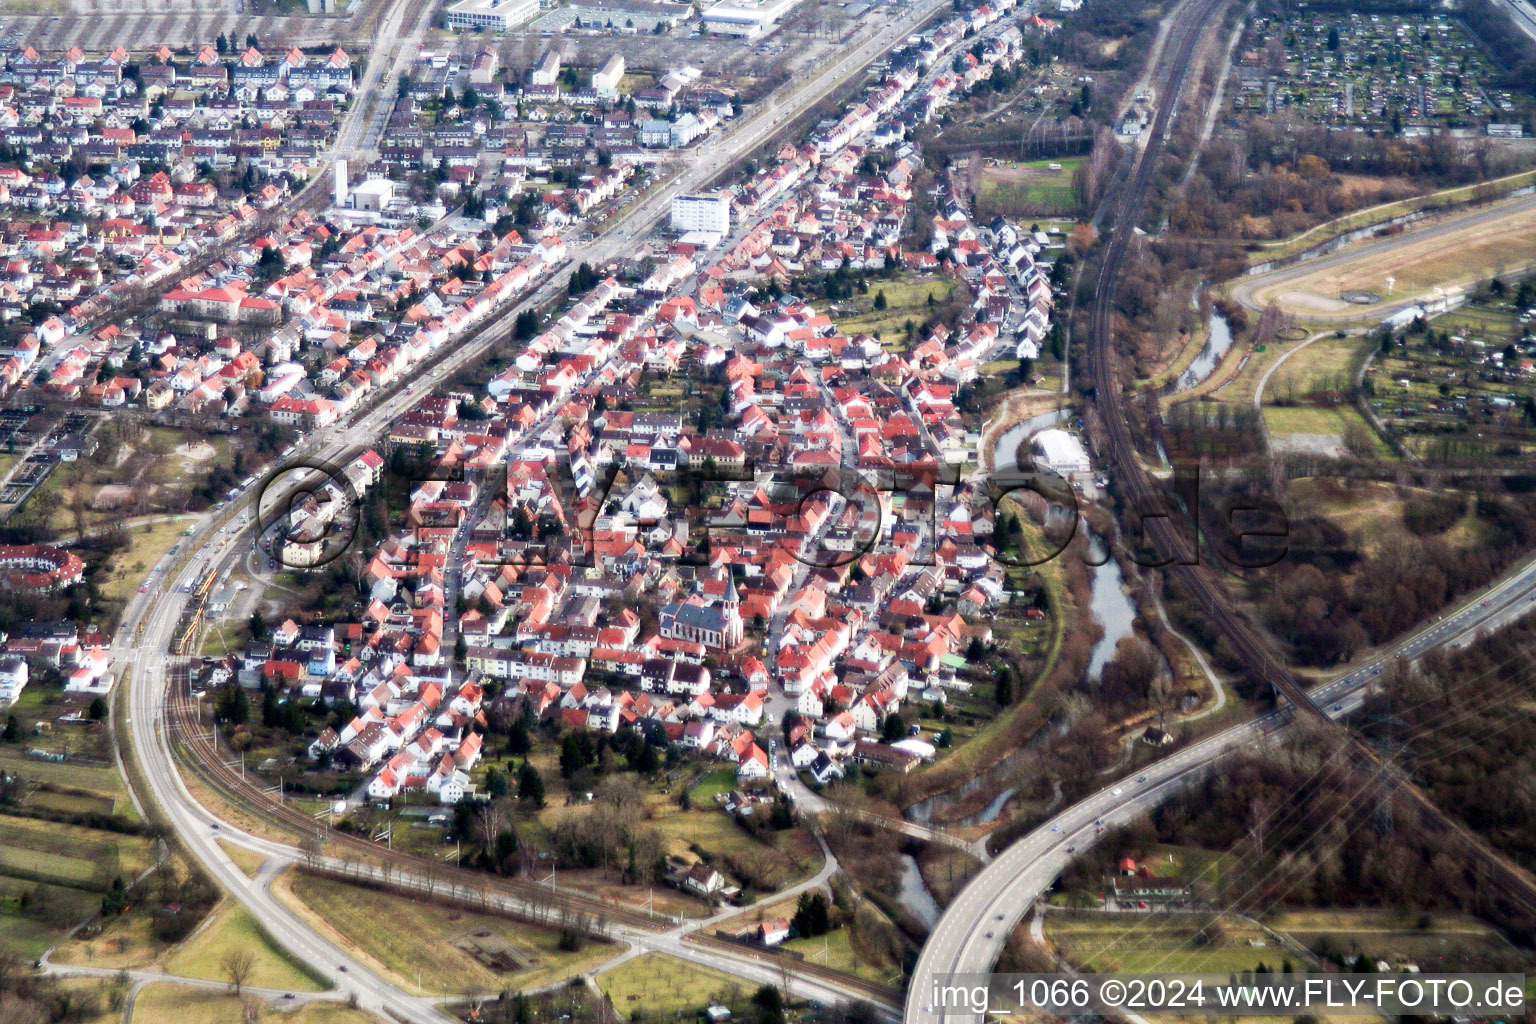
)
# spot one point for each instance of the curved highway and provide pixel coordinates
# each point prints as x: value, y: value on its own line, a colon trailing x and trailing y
x: 970, y: 935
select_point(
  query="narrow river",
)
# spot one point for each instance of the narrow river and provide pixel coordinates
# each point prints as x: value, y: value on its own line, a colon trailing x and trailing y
x: 1218, y: 341
x: 1110, y: 606
x: 915, y: 895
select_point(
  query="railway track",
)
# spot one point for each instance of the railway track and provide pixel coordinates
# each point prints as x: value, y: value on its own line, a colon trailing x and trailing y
x: 194, y: 741
x: 871, y: 990
x: 1518, y: 887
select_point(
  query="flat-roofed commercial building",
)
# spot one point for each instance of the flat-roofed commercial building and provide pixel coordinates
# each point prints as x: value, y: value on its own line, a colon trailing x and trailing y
x: 741, y: 18
x: 496, y: 15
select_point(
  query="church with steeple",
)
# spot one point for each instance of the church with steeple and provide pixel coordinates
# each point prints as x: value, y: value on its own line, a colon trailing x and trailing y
x: 714, y: 623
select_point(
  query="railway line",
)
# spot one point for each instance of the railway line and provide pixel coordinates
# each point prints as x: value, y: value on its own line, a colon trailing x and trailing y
x: 192, y: 740
x: 887, y: 995
x: 1142, y: 492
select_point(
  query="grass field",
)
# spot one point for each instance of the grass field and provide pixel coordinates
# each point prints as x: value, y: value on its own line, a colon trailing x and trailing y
x: 392, y: 931
x: 69, y: 854
x: 1372, y: 511
x: 1327, y: 364
x: 163, y: 474
x: 50, y: 910
x: 72, y: 775
x: 167, y: 1003
x: 1317, y: 427
x: 248, y: 861
x: 906, y: 298
x: 125, y: 570
x: 233, y: 928
x: 837, y: 945
x: 52, y: 866
x: 712, y: 785
x: 72, y: 803
x: 1434, y: 942
x: 1416, y: 261
x: 1035, y: 188
x: 126, y: 941
x: 1145, y: 944
x: 658, y: 984
x: 1376, y: 214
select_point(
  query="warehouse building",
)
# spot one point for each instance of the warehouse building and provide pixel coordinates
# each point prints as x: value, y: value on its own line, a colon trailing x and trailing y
x: 748, y: 20
x: 1062, y: 452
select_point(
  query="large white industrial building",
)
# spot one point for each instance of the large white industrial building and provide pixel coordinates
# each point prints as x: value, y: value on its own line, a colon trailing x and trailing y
x: 743, y: 18
x: 711, y: 213
x: 1062, y: 452
x: 496, y: 15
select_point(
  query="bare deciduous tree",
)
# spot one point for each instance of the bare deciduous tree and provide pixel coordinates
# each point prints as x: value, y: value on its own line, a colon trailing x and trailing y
x: 237, y: 966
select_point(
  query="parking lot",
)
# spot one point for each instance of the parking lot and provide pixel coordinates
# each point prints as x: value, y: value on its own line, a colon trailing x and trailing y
x: 101, y: 24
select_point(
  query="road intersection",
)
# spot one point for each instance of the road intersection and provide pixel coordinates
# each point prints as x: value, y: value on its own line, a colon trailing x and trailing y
x: 971, y: 934
x: 151, y: 620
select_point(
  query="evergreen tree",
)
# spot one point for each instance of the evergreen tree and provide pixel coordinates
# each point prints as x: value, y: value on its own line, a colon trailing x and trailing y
x: 770, y: 1005
x: 271, y: 711
x: 233, y: 707
x: 495, y: 782
x: 1004, y: 693
x: 649, y: 761
x: 115, y: 900
x: 518, y: 740
x: 812, y: 917
x: 530, y: 785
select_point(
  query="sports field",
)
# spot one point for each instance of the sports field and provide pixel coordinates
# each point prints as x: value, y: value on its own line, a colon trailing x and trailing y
x: 1038, y: 187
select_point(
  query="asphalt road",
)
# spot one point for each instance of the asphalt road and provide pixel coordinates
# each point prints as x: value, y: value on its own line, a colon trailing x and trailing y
x: 971, y: 934
x: 149, y: 623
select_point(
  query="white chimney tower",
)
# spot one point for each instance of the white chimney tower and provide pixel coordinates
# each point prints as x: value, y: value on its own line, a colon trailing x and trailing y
x: 341, y: 183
